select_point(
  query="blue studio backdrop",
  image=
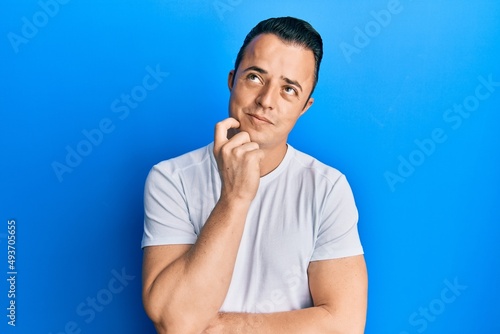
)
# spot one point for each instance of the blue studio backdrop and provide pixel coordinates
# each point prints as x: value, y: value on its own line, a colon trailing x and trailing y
x: 94, y: 93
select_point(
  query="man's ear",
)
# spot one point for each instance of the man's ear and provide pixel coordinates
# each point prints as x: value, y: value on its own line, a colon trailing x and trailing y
x: 230, y: 80
x: 309, y: 103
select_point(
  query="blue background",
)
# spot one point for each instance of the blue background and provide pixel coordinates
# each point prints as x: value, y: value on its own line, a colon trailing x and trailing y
x: 76, y: 231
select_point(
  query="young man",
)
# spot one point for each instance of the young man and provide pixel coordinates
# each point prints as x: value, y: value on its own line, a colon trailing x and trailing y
x: 249, y: 235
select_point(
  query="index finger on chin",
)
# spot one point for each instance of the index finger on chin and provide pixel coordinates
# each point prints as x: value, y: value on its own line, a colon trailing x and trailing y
x: 221, y: 128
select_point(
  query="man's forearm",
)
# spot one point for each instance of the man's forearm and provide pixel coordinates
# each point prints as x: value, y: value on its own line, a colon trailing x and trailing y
x: 191, y: 290
x: 314, y: 320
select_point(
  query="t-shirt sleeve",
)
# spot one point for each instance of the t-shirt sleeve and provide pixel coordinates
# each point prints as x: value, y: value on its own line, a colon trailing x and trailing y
x: 166, y: 217
x: 338, y: 231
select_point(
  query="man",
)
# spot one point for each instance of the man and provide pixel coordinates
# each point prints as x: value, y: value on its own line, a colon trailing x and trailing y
x: 249, y: 235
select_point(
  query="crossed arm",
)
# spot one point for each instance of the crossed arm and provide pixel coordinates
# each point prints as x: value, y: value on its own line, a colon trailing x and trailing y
x: 184, y: 286
x: 338, y: 288
x: 339, y: 293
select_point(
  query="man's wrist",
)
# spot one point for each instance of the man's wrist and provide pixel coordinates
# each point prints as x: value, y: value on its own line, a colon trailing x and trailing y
x: 234, y: 204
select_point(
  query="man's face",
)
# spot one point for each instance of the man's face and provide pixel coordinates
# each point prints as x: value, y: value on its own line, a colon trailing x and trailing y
x: 270, y: 90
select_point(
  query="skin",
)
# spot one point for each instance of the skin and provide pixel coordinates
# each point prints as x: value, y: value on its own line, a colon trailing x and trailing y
x: 182, y: 293
x: 274, y: 88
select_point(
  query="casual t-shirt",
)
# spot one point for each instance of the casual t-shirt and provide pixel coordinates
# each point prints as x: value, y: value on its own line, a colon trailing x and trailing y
x: 303, y: 211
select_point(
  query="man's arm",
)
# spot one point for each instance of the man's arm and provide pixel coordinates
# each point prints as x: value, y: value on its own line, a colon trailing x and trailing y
x: 339, y: 290
x: 184, y: 286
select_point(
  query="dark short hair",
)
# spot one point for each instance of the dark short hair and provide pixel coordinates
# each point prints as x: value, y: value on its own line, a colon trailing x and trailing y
x: 289, y: 30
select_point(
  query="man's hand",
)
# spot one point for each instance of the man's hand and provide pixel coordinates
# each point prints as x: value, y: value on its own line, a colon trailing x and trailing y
x: 238, y: 160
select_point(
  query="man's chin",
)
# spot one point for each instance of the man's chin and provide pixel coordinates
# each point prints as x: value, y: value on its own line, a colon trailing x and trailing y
x: 257, y: 138
x: 255, y: 135
x: 251, y: 132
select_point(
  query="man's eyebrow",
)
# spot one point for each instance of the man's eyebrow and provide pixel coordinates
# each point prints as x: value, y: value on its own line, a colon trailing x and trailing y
x: 292, y: 82
x: 256, y: 69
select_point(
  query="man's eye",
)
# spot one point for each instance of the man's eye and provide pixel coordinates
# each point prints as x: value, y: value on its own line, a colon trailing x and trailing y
x: 290, y: 91
x: 253, y: 77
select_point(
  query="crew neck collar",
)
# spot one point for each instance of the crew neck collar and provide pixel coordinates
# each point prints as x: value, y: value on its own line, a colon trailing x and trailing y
x: 270, y: 176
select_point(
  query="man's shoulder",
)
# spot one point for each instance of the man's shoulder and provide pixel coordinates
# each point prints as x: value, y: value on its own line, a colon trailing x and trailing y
x: 195, y: 158
x: 308, y: 164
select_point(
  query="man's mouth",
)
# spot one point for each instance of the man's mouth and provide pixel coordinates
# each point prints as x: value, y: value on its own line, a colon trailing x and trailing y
x: 260, y: 118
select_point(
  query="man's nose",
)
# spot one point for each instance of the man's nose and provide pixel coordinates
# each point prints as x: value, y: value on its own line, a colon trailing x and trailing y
x: 267, y: 96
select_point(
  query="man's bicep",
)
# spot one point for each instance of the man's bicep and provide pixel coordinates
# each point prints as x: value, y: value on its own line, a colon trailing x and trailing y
x: 341, y: 286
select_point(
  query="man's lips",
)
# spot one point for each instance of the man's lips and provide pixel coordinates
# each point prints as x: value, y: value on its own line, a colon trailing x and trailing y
x: 260, y: 118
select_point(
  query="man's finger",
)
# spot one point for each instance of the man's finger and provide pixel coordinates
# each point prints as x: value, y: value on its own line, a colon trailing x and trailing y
x: 221, y: 128
x: 239, y: 139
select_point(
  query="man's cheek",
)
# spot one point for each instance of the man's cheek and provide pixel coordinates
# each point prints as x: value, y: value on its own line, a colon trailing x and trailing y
x: 232, y: 109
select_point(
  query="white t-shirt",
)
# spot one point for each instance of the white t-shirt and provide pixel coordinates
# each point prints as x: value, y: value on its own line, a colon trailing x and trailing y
x: 304, y: 211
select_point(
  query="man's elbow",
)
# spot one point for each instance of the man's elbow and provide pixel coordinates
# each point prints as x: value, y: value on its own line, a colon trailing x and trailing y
x: 179, y: 326
x: 168, y: 324
x: 154, y: 310
x: 169, y: 319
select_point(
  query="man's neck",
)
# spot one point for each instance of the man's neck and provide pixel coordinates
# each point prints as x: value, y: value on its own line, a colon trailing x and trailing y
x: 272, y: 159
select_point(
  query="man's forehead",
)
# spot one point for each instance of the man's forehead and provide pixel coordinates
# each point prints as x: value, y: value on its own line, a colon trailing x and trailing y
x: 269, y: 52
